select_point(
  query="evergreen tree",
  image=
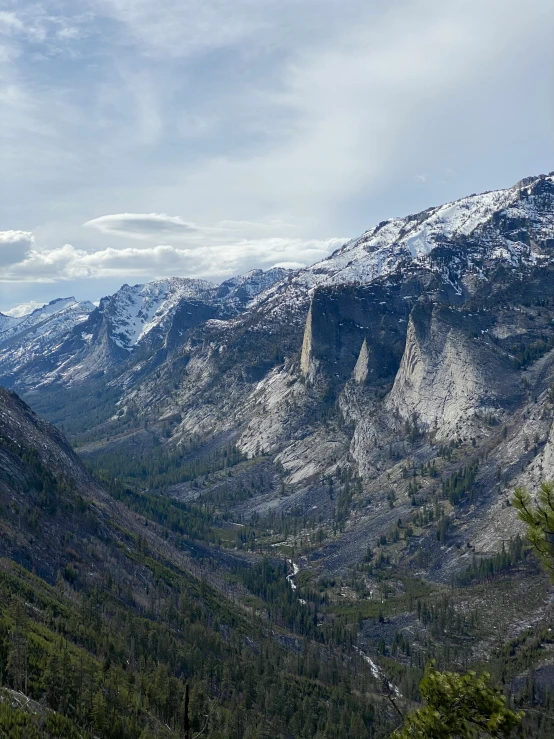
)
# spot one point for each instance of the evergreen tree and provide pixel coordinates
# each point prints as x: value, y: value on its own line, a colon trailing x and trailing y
x: 18, y: 652
x: 459, y: 707
x: 539, y: 518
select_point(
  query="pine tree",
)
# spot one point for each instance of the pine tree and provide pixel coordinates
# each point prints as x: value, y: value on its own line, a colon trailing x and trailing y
x: 18, y: 652
x: 540, y: 521
x: 459, y: 707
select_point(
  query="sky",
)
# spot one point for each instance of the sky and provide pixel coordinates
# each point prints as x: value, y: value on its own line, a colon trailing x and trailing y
x: 204, y: 138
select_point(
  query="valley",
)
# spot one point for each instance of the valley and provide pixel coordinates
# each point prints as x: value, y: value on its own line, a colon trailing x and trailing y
x: 289, y: 491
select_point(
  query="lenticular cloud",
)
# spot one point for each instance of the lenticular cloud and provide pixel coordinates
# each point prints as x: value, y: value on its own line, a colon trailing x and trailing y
x: 141, y: 225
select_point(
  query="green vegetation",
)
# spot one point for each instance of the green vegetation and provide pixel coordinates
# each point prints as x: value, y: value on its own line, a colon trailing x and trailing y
x: 108, y: 650
x: 187, y: 520
x: 78, y: 409
x: 18, y: 723
x: 540, y: 521
x: 526, y: 354
x: 460, y: 483
x: 484, y: 569
x: 459, y: 707
x: 115, y: 670
x: 162, y: 467
x: 48, y: 491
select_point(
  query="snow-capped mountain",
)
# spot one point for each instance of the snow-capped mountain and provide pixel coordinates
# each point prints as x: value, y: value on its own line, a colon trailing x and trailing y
x: 36, y: 335
x: 461, y: 241
x: 243, y: 288
x: 68, y: 340
x: 136, y: 311
x: 41, y: 320
x: 374, y: 411
x: 429, y: 339
x: 514, y: 226
x: 429, y: 329
x: 7, y: 322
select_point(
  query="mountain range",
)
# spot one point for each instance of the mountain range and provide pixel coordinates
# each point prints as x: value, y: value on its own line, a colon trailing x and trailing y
x: 364, y: 420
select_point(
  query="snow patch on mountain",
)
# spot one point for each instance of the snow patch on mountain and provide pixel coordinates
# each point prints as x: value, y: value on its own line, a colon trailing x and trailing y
x: 411, y: 240
x: 39, y: 334
x: 39, y: 317
x: 135, y: 311
x: 7, y: 322
x: 380, y: 250
x: 252, y: 283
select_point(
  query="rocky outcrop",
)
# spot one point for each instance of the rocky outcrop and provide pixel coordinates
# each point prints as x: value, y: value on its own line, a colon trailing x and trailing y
x: 308, y: 364
x: 361, y: 369
x: 449, y: 373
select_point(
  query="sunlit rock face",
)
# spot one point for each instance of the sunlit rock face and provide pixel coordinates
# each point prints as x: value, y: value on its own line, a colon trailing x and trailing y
x: 450, y: 371
x: 361, y: 369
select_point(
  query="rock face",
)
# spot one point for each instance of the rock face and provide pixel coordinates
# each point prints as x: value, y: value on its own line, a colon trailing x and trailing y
x: 448, y: 373
x: 307, y: 362
x: 361, y: 369
x: 426, y: 344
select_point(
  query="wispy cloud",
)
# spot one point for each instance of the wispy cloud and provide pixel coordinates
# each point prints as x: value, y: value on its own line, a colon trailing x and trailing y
x: 181, y: 28
x: 10, y: 23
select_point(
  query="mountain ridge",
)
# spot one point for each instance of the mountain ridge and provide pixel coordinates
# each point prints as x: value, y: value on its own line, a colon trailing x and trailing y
x: 133, y: 315
x: 320, y: 372
x: 340, y: 442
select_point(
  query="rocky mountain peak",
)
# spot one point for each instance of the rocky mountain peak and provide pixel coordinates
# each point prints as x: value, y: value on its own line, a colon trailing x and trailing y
x: 459, y: 241
x: 380, y: 250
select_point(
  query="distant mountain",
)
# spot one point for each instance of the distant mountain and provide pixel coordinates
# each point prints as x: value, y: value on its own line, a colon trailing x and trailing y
x: 35, y: 336
x: 6, y: 322
x: 57, y: 313
x: 68, y: 340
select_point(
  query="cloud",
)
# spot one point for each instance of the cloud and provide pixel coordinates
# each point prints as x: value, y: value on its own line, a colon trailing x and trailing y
x: 282, y: 119
x: 152, y: 226
x: 290, y: 265
x: 10, y: 22
x: 215, y: 262
x: 177, y: 28
x: 141, y: 225
x: 40, y: 24
x: 24, y: 309
x: 14, y: 246
x: 232, y: 226
x: 384, y: 97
